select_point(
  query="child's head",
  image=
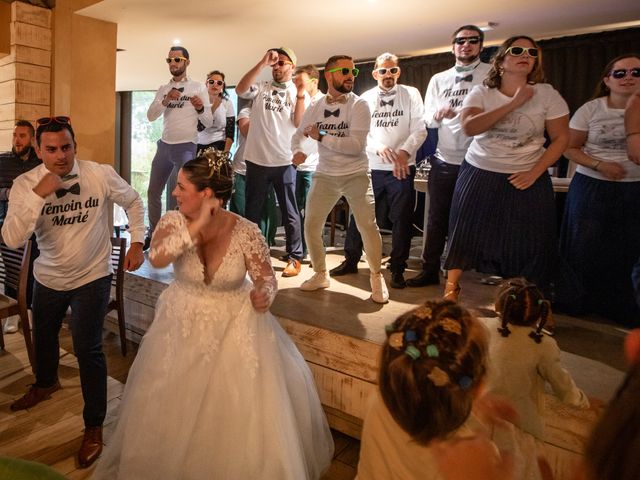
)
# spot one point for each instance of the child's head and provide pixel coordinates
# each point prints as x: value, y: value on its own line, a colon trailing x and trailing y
x: 432, y: 364
x: 522, y: 303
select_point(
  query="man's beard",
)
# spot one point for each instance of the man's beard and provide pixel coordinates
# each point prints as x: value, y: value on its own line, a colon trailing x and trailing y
x: 468, y: 59
x: 22, y: 152
x: 343, y: 88
x: 179, y: 72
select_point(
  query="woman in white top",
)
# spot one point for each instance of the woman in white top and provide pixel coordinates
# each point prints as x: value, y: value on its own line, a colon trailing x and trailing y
x: 503, y: 213
x: 221, y: 133
x: 601, y: 228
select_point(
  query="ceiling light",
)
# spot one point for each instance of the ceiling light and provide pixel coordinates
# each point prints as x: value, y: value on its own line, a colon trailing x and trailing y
x: 176, y: 41
x: 486, y: 26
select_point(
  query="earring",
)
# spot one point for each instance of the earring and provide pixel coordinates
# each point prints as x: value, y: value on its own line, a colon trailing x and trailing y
x: 500, y: 71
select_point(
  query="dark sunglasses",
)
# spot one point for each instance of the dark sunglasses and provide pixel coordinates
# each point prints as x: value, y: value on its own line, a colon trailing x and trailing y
x: 462, y: 40
x: 622, y: 72
x: 175, y: 59
x: 59, y: 119
x: 392, y: 70
x: 345, y: 71
x: 216, y: 82
x: 518, y: 51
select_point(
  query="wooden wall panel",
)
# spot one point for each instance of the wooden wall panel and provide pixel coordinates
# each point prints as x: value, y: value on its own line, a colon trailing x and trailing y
x: 26, y: 13
x: 30, y: 35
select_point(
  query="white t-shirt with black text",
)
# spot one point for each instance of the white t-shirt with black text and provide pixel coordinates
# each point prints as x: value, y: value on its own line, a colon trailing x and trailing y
x: 397, y: 121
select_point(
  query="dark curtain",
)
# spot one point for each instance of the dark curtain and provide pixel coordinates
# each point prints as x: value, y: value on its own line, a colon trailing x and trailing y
x: 572, y: 64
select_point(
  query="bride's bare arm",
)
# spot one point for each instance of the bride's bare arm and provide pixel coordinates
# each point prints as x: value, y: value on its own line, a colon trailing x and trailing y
x: 258, y: 264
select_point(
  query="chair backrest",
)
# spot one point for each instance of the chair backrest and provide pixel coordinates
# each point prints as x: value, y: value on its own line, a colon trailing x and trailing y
x: 118, y: 250
x: 12, y: 260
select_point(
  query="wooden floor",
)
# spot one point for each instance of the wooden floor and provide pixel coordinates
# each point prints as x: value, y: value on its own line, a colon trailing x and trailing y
x: 51, y: 432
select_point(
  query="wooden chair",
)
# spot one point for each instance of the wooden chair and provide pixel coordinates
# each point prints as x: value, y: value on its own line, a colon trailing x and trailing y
x: 118, y: 251
x: 14, y: 273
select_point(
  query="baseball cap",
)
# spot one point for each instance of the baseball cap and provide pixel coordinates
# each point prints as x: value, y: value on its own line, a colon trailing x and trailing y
x: 288, y: 52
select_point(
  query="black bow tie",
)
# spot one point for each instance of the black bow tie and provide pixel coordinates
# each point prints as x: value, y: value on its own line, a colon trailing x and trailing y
x: 275, y: 92
x: 329, y: 113
x: 468, y: 78
x: 75, y: 189
x: 389, y: 102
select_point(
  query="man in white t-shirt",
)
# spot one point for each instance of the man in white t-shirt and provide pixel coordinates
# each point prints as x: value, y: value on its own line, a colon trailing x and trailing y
x: 309, y: 77
x: 278, y: 106
x: 339, y: 123
x: 66, y: 202
x: 442, y: 105
x: 397, y: 131
x: 181, y: 102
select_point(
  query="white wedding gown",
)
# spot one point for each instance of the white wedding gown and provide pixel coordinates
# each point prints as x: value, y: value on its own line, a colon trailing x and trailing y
x: 218, y: 390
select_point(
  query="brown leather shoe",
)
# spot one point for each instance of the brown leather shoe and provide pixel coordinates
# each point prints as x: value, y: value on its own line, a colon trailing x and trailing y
x: 91, y: 447
x: 34, y: 396
x: 292, y: 269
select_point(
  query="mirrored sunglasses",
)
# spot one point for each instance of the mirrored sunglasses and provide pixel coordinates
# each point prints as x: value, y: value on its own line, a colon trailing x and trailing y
x: 620, y: 73
x: 345, y: 71
x: 518, y: 51
x: 392, y: 70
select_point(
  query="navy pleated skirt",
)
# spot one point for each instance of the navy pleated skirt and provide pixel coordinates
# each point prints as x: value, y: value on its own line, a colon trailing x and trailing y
x: 497, y: 229
x: 600, y: 238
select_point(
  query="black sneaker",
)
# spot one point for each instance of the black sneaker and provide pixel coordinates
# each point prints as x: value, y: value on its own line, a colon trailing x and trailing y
x: 423, y: 279
x: 345, y: 268
x: 397, y: 280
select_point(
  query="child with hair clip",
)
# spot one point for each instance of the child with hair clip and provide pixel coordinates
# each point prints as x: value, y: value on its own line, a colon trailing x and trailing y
x: 432, y: 369
x: 522, y: 361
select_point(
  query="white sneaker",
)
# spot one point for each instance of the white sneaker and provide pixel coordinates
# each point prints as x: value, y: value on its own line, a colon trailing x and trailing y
x: 379, y: 292
x: 318, y: 281
x: 11, y: 324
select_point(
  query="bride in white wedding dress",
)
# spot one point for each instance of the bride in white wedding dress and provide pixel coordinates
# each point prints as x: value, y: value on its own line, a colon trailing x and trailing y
x: 218, y: 390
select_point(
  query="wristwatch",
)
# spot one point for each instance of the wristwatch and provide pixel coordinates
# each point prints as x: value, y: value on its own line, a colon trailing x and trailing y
x: 322, y: 133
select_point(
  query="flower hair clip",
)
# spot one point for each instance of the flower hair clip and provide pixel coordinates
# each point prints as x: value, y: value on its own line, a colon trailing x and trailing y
x: 216, y: 159
x: 465, y: 382
x: 450, y: 325
x: 438, y: 377
x: 413, y: 352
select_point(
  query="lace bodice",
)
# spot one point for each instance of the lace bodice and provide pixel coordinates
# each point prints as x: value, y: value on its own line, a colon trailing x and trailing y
x: 247, y: 253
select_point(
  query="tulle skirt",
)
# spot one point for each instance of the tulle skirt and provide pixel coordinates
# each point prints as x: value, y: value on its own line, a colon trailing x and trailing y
x: 231, y: 400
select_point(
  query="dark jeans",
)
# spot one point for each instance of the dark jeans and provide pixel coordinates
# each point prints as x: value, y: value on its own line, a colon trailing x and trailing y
x: 442, y: 182
x: 258, y: 183
x: 303, y: 184
x: 89, y: 306
x: 399, y: 196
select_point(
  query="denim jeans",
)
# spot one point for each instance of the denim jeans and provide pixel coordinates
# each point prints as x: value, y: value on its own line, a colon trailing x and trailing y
x: 168, y: 159
x: 258, y: 184
x: 89, y: 306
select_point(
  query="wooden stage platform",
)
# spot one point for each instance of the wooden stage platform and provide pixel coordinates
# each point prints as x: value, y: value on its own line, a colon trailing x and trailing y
x: 339, y: 332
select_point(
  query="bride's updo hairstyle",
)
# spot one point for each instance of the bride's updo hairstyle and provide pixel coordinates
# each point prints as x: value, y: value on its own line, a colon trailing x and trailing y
x: 211, y: 168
